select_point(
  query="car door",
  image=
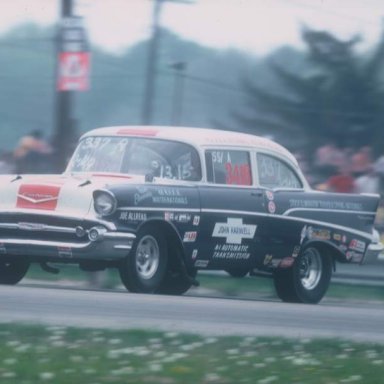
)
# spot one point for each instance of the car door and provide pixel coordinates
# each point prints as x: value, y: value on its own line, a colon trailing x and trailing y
x: 232, y: 210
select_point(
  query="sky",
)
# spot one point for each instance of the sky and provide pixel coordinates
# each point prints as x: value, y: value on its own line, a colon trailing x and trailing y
x: 255, y: 26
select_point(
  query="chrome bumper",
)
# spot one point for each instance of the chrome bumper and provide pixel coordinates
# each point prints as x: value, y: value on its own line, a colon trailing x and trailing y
x: 107, y: 245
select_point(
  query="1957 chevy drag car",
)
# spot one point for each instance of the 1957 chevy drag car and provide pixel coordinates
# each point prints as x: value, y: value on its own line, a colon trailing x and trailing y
x: 160, y: 203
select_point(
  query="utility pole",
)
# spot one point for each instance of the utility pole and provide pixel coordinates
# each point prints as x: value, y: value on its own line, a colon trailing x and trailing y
x: 64, y: 134
x: 73, y: 63
x: 150, y: 84
x: 178, y: 92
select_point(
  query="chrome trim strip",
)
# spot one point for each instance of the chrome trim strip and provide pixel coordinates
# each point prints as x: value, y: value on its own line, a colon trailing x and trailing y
x: 287, y: 212
x: 43, y: 243
x: 36, y: 212
x: 157, y: 209
x: 23, y: 226
x: 119, y: 235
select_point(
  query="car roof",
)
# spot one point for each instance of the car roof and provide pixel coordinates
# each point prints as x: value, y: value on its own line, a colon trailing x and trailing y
x: 195, y: 136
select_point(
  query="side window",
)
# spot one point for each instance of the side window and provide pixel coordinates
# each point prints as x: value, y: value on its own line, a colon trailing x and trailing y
x: 274, y: 173
x: 228, y: 167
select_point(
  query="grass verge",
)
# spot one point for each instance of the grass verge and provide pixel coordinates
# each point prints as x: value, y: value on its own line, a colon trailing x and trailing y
x: 36, y: 354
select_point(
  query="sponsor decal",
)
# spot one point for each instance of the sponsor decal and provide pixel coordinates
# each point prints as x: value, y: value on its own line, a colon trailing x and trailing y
x: 164, y: 195
x: 357, y: 245
x: 37, y: 196
x: 133, y: 216
x: 275, y: 263
x: 344, y: 239
x: 314, y: 233
x: 234, y: 231
x: 3, y: 250
x: 337, y: 237
x: 269, y: 195
x: 296, y: 251
x: 194, y: 254
x: 286, y: 262
x: 65, y: 251
x: 178, y: 217
x: 196, y: 220
x: 325, y: 204
x: 354, y: 257
x: 343, y: 247
x: 142, y: 194
x: 201, y: 263
x: 190, y: 237
x: 231, y: 252
x: 268, y: 259
x: 318, y: 233
x: 169, y: 196
x: 271, y: 207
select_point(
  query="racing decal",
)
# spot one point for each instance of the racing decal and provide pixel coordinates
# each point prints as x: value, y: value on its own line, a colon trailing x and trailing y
x: 238, y: 174
x: 271, y: 207
x: 201, y: 263
x: 178, y: 217
x: 194, y: 254
x: 268, y: 259
x: 337, y: 237
x: 269, y: 195
x: 231, y: 252
x: 357, y: 245
x: 189, y: 237
x: 311, y: 233
x: 234, y: 231
x: 133, y: 216
x: 162, y: 195
x: 37, y: 196
x: 354, y: 257
x: 325, y: 204
x: 296, y: 251
x: 65, y: 251
x: 196, y: 220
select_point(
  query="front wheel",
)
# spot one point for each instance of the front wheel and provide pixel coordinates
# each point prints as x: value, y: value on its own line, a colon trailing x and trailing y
x: 307, y: 280
x: 144, y: 268
x: 11, y: 272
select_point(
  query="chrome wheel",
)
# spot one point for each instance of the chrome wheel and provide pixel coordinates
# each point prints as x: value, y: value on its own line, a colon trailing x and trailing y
x: 147, y: 257
x: 310, y: 269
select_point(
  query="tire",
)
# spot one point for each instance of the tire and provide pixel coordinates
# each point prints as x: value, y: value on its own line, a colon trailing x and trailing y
x: 175, y: 283
x: 307, y: 280
x: 237, y: 272
x: 143, y: 270
x: 11, y: 272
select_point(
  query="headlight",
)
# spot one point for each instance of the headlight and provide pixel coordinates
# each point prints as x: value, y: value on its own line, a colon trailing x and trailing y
x: 104, y: 203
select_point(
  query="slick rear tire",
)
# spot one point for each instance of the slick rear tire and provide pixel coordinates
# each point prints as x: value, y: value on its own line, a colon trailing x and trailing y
x: 307, y: 280
x: 11, y: 272
x: 175, y: 283
x: 143, y: 270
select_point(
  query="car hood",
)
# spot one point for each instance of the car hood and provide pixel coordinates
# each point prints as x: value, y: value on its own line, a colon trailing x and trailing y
x: 69, y: 195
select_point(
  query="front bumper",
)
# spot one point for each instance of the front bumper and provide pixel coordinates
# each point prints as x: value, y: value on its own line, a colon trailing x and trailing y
x: 54, y: 242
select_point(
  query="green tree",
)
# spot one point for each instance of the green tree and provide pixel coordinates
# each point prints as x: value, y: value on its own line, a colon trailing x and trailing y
x: 339, y: 97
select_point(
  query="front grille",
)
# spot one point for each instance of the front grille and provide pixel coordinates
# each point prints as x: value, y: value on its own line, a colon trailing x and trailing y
x: 41, y: 227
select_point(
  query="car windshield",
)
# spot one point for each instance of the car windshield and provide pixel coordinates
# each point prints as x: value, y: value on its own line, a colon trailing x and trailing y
x: 139, y: 156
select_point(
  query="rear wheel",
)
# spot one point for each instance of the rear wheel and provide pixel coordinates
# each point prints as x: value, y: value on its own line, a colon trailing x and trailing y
x: 144, y: 268
x: 11, y: 272
x: 307, y: 280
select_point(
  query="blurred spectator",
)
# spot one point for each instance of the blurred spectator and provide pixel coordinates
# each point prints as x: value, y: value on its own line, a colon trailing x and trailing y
x: 33, y: 154
x: 361, y: 161
x: 368, y: 182
x: 341, y: 182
